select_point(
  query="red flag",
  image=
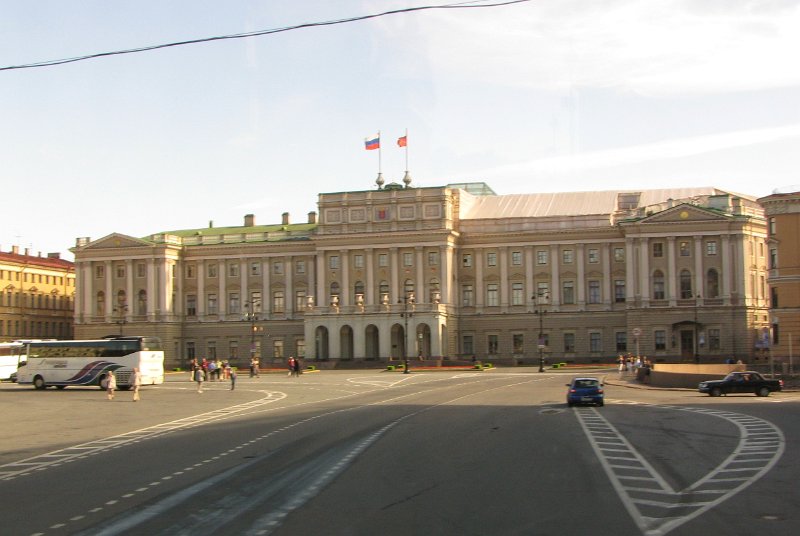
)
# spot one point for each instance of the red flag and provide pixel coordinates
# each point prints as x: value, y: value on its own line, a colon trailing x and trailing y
x: 402, y: 142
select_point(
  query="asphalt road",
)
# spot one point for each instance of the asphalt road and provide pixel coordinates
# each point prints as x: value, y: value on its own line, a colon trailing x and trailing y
x: 369, y: 452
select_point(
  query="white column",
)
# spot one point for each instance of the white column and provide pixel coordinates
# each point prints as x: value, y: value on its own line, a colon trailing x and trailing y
x: 672, y: 283
x: 581, y: 283
x: 394, y: 269
x: 530, y: 287
x: 321, y: 299
x: 347, y: 291
x: 243, y: 279
x: 446, y: 261
x: 152, y: 293
x: 608, y: 281
x: 480, y: 298
x: 369, y: 290
x: 727, y: 274
x: 555, y: 278
x: 288, y: 277
x: 698, y: 266
x: 740, y: 268
x: 644, y: 270
x: 630, y: 271
x: 503, y: 254
x: 109, y: 289
x: 421, y: 284
x: 165, y: 287
x: 200, y: 272
x: 223, y: 290
x: 129, y: 291
x: 266, y: 286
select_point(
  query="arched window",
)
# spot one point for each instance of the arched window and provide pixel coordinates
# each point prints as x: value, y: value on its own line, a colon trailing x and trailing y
x: 686, y: 284
x: 658, y: 285
x: 358, y: 288
x: 141, y: 305
x: 434, y: 290
x: 100, y: 308
x: 712, y: 283
x: 122, y: 299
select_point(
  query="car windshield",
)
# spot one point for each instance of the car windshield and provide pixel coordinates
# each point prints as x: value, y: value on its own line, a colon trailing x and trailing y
x: 585, y: 383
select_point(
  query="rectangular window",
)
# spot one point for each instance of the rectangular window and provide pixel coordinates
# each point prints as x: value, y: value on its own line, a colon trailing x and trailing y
x: 466, y: 296
x: 212, y: 350
x: 619, y: 254
x: 541, y: 256
x: 542, y: 292
x: 684, y: 248
x: 233, y: 303
x: 383, y: 260
x: 255, y: 268
x: 467, y: 345
x: 492, y: 295
x: 517, y: 294
x: 567, y: 256
x: 773, y: 258
x: 492, y: 345
x: 517, y: 343
x: 120, y: 271
x: 516, y: 258
x: 491, y: 259
x: 99, y: 272
x: 300, y: 267
x: 190, y: 351
x: 466, y: 260
x: 594, y: 256
x: 233, y: 350
x: 191, y: 305
x: 141, y: 270
x: 713, y: 339
x: 595, y: 342
x: 408, y: 259
x: 568, y: 292
x: 233, y: 269
x: 278, y: 301
x: 255, y: 301
x: 277, y: 348
x: 212, y: 304
x: 300, y: 345
x: 772, y: 227
x: 619, y: 291
x: 594, y: 291
x: 658, y: 249
x: 212, y: 270
x: 358, y: 261
x: 621, y: 339
x: 277, y: 268
x: 433, y: 258
x: 660, y: 339
x: 300, y: 300
x: 333, y: 262
x: 569, y: 343
x: 711, y: 247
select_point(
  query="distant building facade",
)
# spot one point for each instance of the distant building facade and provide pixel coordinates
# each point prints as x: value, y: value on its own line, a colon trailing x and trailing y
x: 36, y: 296
x: 450, y: 272
x: 783, y: 225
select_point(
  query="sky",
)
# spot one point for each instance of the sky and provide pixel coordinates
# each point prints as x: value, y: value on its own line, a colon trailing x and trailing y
x: 539, y: 96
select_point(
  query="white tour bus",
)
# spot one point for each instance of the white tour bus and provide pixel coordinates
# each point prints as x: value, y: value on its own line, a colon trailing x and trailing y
x: 11, y: 354
x: 63, y: 363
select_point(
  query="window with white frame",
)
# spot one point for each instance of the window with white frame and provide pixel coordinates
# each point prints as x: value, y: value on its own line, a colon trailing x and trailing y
x: 619, y: 254
x: 466, y: 296
x: 594, y: 291
x: 568, y: 292
x: 660, y: 338
x: 212, y: 304
x: 492, y: 344
x: 433, y: 258
x: 358, y: 261
x: 278, y: 301
x: 569, y: 343
x: 517, y: 293
x: 466, y: 260
x: 491, y: 258
x: 595, y: 342
x: 517, y: 343
x: 277, y: 267
x: 383, y: 260
x: 492, y: 295
x: 255, y: 268
x: 516, y: 258
x: 212, y: 270
x: 408, y: 258
x: 233, y: 303
x: 233, y: 269
x: 300, y: 267
x: 333, y: 262
x: 567, y: 256
x: 593, y: 255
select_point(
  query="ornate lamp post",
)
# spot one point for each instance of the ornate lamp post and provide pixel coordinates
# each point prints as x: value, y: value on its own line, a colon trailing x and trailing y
x: 408, y: 311
x: 121, y: 309
x: 251, y: 315
x: 539, y: 310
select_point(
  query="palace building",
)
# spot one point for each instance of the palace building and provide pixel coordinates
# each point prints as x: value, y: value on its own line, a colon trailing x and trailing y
x: 448, y: 272
x: 36, y: 296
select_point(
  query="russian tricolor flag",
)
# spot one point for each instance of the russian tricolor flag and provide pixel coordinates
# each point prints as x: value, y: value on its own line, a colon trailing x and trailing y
x: 373, y: 142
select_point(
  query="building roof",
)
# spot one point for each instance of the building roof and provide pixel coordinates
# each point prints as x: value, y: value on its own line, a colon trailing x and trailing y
x: 573, y: 203
x: 32, y: 260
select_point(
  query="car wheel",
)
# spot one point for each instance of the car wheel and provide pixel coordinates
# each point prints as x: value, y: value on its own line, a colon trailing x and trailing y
x: 600, y: 404
x: 102, y: 383
x: 762, y: 392
x: 38, y: 383
x: 716, y: 391
x: 570, y: 404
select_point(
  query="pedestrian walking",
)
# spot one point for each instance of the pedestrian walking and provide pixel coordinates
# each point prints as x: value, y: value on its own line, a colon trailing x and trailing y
x: 290, y: 365
x: 137, y: 382
x: 111, y: 384
x: 198, y: 377
x: 296, y: 367
x: 232, y: 375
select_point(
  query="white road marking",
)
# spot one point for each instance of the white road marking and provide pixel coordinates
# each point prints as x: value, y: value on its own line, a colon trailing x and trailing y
x: 652, y: 503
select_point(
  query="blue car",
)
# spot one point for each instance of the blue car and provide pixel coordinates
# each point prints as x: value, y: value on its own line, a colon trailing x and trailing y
x: 585, y: 391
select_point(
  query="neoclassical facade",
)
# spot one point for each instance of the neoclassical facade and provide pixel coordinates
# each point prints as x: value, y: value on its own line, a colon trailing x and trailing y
x: 36, y: 296
x: 450, y: 272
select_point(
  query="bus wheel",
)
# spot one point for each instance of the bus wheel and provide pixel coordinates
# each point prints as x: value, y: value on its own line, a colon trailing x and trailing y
x: 102, y: 383
x: 38, y: 382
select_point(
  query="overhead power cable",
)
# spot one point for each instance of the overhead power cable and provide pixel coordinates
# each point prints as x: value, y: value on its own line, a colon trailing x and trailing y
x: 460, y: 5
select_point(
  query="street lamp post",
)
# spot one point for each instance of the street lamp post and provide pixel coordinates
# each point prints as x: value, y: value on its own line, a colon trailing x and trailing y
x: 408, y: 311
x: 251, y: 315
x: 696, y: 330
x: 538, y: 309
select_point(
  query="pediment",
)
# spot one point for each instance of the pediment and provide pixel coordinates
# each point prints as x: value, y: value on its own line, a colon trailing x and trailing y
x: 117, y: 240
x: 684, y: 213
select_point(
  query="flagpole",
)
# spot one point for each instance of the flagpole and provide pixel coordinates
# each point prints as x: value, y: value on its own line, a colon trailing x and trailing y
x: 406, y: 136
x: 380, y: 170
